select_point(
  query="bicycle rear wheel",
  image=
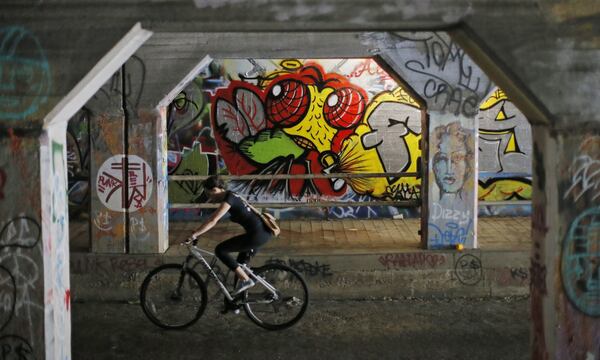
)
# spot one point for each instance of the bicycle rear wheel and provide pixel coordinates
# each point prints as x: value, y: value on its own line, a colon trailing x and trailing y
x: 284, y: 310
x: 172, y: 298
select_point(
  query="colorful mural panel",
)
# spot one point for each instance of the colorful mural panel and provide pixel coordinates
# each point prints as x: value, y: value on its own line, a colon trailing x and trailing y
x: 296, y: 117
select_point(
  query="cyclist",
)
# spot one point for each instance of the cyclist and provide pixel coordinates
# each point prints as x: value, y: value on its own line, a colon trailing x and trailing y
x: 256, y: 235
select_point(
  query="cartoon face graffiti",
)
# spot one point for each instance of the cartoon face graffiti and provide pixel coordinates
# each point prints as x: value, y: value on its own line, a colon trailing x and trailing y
x: 295, y: 125
x: 452, y: 158
x: 312, y: 109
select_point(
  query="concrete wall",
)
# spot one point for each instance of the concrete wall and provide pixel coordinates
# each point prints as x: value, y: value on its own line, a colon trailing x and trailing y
x: 422, y: 274
x: 34, y: 251
x: 565, y: 306
x: 21, y: 248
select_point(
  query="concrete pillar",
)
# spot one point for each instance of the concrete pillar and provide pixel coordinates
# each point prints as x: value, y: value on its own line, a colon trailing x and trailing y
x: 35, y: 296
x: 148, y: 213
x: 129, y: 151
x: 452, y: 86
x: 565, y: 262
x: 107, y: 170
x: 452, y: 181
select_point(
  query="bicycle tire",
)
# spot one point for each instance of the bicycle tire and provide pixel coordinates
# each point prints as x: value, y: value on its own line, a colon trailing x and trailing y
x: 293, y: 295
x: 160, y: 287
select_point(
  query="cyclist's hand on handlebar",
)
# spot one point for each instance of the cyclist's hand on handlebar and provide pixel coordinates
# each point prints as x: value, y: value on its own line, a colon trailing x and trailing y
x: 192, y: 240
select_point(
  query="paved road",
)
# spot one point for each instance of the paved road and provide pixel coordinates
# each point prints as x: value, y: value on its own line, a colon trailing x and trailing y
x: 393, y: 329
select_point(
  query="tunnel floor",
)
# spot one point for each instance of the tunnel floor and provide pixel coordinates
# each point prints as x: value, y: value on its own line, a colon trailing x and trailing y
x: 310, y: 237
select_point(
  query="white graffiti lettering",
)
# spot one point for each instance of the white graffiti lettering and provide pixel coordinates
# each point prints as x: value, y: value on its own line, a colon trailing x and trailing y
x: 585, y: 176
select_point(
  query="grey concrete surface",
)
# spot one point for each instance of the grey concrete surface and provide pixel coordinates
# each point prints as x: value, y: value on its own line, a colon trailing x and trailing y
x: 393, y: 329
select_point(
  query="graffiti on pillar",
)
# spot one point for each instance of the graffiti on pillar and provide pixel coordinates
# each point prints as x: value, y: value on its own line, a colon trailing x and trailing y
x: 57, y: 298
x: 119, y: 171
x: 24, y: 73
x: 448, y: 80
x: 505, y: 150
x: 580, y: 265
x: 452, y: 161
x: 22, y: 231
x: 452, y: 166
x: 20, y: 281
x: 78, y: 162
x: 580, y: 259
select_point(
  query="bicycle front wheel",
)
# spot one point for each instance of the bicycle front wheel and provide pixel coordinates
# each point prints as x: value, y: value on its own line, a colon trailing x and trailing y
x: 282, y: 309
x: 173, y: 298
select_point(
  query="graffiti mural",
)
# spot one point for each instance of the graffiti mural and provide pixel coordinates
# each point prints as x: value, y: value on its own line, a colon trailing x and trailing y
x: 295, y: 117
x: 505, y: 149
x: 191, y: 146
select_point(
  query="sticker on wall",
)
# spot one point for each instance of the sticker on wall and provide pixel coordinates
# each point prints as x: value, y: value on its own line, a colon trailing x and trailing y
x: 119, y: 171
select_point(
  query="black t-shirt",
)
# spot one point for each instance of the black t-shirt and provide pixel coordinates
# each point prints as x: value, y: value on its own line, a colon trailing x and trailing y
x: 242, y: 214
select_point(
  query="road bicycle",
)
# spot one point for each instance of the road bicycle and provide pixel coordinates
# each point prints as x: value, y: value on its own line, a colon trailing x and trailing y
x: 174, y: 296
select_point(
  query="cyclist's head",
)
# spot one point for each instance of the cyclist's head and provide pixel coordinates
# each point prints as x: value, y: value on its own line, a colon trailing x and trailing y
x: 214, y: 182
x: 213, y: 186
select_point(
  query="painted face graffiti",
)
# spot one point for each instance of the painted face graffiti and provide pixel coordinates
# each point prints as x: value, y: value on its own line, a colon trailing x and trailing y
x: 451, y: 162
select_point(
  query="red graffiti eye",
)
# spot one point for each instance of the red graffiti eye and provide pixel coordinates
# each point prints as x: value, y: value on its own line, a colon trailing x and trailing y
x: 287, y: 102
x: 344, y: 108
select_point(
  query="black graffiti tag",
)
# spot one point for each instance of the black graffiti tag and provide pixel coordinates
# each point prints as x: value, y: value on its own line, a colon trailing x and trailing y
x: 468, y: 269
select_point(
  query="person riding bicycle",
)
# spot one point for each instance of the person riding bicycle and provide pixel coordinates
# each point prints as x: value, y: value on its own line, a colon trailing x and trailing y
x: 256, y: 235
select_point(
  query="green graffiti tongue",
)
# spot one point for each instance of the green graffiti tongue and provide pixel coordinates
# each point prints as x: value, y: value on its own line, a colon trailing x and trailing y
x: 268, y: 145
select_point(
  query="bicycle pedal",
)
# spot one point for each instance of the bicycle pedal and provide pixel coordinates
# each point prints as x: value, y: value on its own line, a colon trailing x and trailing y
x: 225, y: 311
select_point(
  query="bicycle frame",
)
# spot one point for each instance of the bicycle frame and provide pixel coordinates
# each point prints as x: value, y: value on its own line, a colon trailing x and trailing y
x: 196, y: 253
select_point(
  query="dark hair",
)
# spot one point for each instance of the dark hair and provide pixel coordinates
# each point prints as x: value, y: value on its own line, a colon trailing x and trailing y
x: 213, y: 182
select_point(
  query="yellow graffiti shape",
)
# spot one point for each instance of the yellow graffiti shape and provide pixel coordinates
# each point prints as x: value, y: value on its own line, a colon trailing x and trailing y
x: 355, y: 159
x: 504, y: 189
x: 497, y: 96
x: 313, y: 131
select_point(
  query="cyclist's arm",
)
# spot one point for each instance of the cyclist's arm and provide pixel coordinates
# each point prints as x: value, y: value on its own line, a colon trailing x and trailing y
x: 212, y: 219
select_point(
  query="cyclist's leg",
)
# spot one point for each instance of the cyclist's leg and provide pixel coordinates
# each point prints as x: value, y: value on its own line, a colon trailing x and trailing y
x: 228, y: 246
x: 243, y: 244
